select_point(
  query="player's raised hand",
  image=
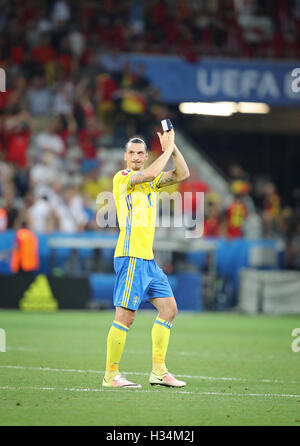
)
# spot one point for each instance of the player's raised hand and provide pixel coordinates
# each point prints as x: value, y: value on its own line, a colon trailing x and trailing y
x: 167, y: 140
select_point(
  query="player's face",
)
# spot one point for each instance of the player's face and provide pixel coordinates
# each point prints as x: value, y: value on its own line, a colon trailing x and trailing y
x: 136, y: 156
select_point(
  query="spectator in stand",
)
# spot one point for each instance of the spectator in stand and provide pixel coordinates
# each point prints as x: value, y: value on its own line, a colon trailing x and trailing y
x: 2, y: 138
x: 9, y: 207
x: 236, y: 212
x: 89, y: 207
x: 42, y: 175
x: 83, y: 101
x: 296, y: 13
x: 77, y: 41
x: 28, y: 201
x: 76, y: 206
x: 25, y: 254
x: 118, y: 34
x: 6, y: 173
x: 94, y: 182
x: 158, y: 12
x: 17, y: 138
x: 189, y: 189
x: 39, y: 97
x: 236, y: 172
x: 239, y: 28
x: 43, y: 22
x: 271, y: 200
x: 70, y: 214
x: 111, y: 62
x: 12, y: 100
x: 49, y: 142
x: 20, y: 180
x: 140, y: 80
x: 89, y: 137
x: 55, y: 195
x: 133, y: 106
x: 40, y: 216
x: 60, y: 13
x: 286, y: 223
x: 63, y: 61
x: 65, y: 128
x: 125, y: 77
x: 271, y: 210
x: 27, y: 12
x: 5, y: 96
x: 183, y: 11
x: 74, y: 265
x: 186, y: 46
x: 44, y: 53
x: 172, y: 31
x: 212, y: 217
x: 63, y: 99
x: 3, y: 220
x: 106, y: 86
x: 293, y: 248
x: 136, y: 19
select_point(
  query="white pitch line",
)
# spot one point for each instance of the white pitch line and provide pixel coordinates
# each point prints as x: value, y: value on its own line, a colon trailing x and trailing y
x: 210, y: 378
x: 79, y: 389
x: 140, y: 352
x: 30, y: 349
x: 22, y: 349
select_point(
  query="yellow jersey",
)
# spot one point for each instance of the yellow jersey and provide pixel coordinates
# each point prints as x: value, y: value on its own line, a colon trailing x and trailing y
x: 136, y: 211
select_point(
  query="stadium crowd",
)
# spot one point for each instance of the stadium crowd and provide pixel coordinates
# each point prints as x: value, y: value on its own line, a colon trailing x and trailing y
x: 190, y: 29
x: 70, y: 99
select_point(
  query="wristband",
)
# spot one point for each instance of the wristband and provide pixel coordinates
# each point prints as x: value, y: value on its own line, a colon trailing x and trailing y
x: 166, y: 125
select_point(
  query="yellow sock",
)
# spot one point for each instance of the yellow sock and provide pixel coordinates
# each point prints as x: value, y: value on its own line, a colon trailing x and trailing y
x: 160, y: 341
x: 115, y: 345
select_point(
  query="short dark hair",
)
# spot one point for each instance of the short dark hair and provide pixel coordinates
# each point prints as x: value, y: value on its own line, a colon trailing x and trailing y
x: 136, y: 140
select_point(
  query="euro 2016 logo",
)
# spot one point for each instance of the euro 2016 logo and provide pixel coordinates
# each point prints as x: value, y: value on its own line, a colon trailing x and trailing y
x: 2, y: 81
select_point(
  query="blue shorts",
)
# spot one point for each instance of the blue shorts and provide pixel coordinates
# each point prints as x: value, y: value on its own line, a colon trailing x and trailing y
x: 138, y: 280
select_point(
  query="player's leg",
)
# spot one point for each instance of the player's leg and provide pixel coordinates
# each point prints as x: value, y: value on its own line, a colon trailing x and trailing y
x: 124, y: 292
x: 161, y: 296
x: 167, y: 310
x: 116, y: 340
x: 166, y: 307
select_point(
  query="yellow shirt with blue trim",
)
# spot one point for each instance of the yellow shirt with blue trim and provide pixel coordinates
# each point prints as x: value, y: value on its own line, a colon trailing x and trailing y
x: 136, y: 211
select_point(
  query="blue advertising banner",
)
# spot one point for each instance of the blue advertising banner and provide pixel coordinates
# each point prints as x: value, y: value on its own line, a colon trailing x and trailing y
x: 275, y: 83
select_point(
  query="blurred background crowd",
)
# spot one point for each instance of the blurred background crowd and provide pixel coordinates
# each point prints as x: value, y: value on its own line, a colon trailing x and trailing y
x: 70, y: 99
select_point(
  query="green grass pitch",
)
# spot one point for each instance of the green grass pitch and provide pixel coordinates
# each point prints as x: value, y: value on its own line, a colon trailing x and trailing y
x: 240, y: 371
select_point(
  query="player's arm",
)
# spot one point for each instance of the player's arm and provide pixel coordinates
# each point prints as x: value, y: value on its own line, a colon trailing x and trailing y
x: 151, y: 172
x: 180, y: 173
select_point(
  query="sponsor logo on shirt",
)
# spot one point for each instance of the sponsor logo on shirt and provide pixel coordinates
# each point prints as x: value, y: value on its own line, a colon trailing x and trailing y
x: 126, y: 172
